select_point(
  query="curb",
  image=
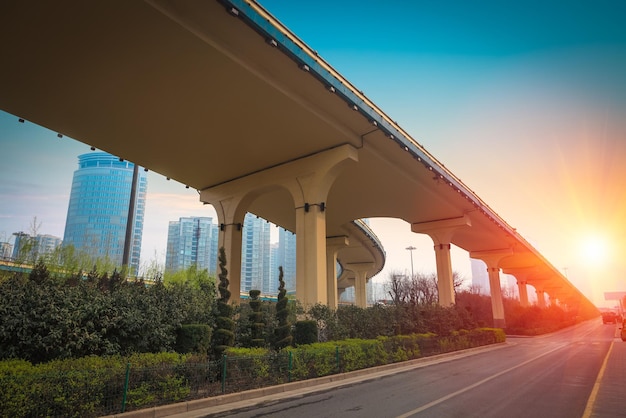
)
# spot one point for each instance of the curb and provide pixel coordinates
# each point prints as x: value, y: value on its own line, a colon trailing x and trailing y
x: 194, y: 407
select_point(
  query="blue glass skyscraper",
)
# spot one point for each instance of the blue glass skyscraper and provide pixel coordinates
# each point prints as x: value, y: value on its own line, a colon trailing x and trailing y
x: 98, y: 209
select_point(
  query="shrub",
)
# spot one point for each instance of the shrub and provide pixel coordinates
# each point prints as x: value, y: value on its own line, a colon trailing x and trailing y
x: 401, y: 347
x: 282, y: 333
x: 314, y: 360
x: 305, y: 332
x: 355, y: 354
x: 193, y: 338
x: 224, y: 336
x: 257, y: 320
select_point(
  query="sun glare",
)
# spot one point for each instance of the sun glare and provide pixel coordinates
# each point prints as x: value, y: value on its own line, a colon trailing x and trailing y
x: 594, y: 250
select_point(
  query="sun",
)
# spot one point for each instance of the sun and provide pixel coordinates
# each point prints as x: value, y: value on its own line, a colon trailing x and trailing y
x: 594, y: 250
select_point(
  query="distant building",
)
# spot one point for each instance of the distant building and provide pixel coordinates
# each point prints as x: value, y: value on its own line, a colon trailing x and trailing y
x: 480, y: 276
x: 286, y: 257
x: 6, y: 249
x: 47, y: 244
x: 192, y: 241
x: 22, y: 245
x: 255, y: 255
x: 98, y: 208
x: 31, y: 248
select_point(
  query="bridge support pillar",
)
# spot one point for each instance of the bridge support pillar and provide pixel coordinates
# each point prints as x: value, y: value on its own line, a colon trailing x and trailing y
x: 441, y: 232
x: 492, y: 259
x: 333, y: 245
x: 230, y: 216
x: 541, y: 297
x: 309, y: 187
x: 360, y: 271
x: 309, y: 180
x: 522, y: 275
x: 523, y: 293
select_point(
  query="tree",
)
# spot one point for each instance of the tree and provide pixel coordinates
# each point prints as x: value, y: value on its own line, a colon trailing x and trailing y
x: 283, y: 330
x: 224, y: 336
x: 396, y: 288
x: 257, y: 324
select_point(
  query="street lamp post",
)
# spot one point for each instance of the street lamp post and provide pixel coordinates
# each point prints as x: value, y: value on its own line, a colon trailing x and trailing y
x: 411, y: 248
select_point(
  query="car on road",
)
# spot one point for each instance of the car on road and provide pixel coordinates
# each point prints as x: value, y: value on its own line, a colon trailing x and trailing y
x: 609, y: 317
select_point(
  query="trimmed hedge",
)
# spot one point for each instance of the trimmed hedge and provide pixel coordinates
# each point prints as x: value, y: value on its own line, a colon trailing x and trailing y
x: 193, y: 338
x: 305, y: 332
x: 94, y: 386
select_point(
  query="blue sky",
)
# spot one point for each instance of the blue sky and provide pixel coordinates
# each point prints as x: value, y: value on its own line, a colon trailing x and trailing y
x: 524, y: 101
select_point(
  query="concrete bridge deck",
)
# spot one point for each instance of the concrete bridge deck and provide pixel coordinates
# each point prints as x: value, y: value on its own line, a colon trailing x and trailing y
x: 220, y: 96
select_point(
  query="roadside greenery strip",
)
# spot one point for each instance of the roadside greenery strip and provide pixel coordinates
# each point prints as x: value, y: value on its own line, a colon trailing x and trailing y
x: 94, y: 386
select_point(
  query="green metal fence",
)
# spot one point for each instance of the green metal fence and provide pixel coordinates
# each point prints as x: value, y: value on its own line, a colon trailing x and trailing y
x: 105, y: 391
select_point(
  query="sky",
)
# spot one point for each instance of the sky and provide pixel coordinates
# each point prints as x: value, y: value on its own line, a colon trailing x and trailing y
x: 525, y: 102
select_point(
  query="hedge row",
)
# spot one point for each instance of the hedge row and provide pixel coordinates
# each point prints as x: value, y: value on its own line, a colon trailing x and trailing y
x: 88, y: 386
x: 95, y: 386
x: 322, y: 359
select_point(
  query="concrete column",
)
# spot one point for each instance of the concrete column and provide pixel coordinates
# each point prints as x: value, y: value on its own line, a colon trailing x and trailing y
x: 521, y: 274
x: 310, y: 191
x: 333, y: 245
x: 308, y: 180
x: 523, y: 293
x: 339, y: 293
x: 360, y: 271
x: 441, y: 232
x: 497, y: 306
x: 445, y: 281
x: 230, y: 216
x: 553, y: 297
x: 311, y: 286
x: 492, y: 259
x: 541, y: 297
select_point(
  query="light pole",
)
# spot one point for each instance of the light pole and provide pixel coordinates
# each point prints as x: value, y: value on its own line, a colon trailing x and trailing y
x: 411, y: 248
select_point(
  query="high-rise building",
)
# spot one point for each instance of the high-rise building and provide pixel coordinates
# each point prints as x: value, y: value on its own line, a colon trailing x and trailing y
x: 480, y: 277
x: 46, y: 244
x: 22, y: 245
x: 27, y: 247
x: 99, y: 205
x: 255, y: 255
x: 286, y: 257
x: 5, y: 250
x: 192, y: 241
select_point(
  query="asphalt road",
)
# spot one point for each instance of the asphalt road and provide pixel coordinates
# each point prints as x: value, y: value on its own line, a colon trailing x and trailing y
x: 565, y: 374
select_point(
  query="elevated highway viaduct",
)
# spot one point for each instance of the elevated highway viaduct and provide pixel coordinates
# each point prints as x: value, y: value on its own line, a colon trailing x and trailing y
x: 220, y: 96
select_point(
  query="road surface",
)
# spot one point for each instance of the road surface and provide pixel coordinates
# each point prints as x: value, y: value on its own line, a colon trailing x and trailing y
x: 564, y: 374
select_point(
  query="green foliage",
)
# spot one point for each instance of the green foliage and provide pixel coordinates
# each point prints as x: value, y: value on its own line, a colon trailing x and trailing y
x: 193, y: 338
x: 533, y: 320
x: 305, y: 332
x: 249, y: 363
x: 401, y: 347
x: 194, y: 291
x: 257, y: 320
x: 314, y: 360
x: 356, y: 354
x: 93, y: 386
x: 39, y: 274
x: 46, y: 318
x: 282, y: 333
x: 365, y: 323
x: 89, y: 386
x: 328, y: 324
x: 224, y: 336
